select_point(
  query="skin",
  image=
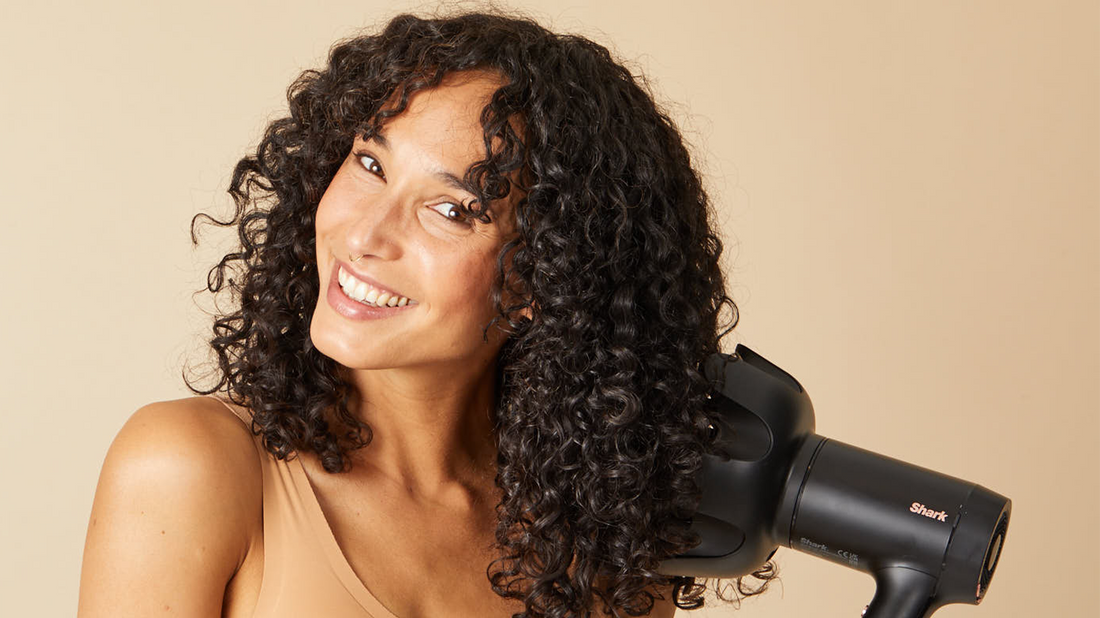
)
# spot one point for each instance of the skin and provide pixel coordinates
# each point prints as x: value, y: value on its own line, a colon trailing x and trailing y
x: 418, y: 504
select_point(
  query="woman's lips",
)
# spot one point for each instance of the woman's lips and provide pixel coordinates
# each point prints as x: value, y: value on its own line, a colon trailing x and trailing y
x: 371, y: 282
x: 353, y: 309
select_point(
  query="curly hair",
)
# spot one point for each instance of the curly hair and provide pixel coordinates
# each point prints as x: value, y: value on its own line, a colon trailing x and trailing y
x: 600, y: 414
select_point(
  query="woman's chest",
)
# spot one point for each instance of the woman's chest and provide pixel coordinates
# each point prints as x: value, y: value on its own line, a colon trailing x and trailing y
x: 413, y: 559
x: 420, y: 562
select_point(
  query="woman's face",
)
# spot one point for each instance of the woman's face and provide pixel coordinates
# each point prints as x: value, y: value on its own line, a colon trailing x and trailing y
x: 388, y: 220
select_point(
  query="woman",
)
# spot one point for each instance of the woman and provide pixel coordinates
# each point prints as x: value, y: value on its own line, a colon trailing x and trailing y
x: 476, y: 281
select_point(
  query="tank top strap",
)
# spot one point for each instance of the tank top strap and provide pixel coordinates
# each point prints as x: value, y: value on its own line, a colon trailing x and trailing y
x: 305, y: 572
x: 238, y: 411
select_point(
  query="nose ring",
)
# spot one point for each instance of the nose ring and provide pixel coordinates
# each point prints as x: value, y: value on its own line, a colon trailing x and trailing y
x: 356, y: 259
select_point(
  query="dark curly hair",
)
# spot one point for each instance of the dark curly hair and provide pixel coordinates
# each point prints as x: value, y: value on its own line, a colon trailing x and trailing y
x: 601, y: 413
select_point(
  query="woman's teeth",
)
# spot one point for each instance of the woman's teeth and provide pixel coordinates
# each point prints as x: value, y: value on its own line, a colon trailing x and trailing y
x: 364, y: 293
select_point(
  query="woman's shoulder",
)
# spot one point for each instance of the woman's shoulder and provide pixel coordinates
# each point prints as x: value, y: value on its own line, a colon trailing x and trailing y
x: 194, y: 453
x: 178, y: 503
x: 200, y: 435
x: 196, y: 445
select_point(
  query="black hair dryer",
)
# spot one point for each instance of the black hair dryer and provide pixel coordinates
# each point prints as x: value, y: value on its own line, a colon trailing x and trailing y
x: 928, y: 539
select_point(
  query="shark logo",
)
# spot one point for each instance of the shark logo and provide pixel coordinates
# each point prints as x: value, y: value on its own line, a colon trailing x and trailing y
x: 920, y: 509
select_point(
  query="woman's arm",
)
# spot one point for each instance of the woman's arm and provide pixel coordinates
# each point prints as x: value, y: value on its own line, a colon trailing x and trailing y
x: 179, y: 497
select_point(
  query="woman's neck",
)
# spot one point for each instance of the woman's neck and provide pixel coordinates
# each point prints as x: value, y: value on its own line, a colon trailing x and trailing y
x: 432, y: 427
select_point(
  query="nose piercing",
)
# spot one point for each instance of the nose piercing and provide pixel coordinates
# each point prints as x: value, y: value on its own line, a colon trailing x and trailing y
x: 356, y: 259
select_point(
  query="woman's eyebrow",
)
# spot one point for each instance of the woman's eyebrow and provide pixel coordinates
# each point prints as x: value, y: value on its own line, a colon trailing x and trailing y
x: 379, y: 139
x: 453, y: 181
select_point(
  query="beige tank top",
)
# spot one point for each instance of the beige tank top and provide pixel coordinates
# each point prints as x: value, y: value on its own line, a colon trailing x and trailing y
x: 305, y: 571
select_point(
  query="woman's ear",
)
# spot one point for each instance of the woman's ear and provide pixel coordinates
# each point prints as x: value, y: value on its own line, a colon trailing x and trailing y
x: 525, y: 312
x: 517, y: 307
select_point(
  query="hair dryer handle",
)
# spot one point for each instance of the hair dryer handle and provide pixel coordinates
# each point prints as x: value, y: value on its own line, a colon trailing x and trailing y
x: 901, y: 592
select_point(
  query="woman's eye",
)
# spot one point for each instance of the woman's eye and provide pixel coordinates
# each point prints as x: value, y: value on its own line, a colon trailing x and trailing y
x: 452, y: 212
x: 372, y: 165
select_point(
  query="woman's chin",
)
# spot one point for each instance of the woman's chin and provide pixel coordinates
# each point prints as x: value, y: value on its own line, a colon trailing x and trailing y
x: 343, y: 346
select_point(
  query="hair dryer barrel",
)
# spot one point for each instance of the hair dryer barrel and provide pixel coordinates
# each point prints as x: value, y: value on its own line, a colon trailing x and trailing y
x: 928, y: 539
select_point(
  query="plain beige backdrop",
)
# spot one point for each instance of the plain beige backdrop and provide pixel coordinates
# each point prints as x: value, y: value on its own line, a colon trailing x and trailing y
x: 909, y: 194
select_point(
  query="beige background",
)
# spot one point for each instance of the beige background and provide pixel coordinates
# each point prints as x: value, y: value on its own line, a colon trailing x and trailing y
x: 909, y: 194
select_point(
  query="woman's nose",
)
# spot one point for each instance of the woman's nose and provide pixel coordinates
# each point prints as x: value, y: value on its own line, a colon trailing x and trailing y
x: 378, y: 228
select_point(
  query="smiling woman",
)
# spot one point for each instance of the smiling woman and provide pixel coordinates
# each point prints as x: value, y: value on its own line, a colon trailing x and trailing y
x: 476, y: 281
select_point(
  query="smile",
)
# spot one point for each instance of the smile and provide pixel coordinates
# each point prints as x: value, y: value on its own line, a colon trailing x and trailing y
x: 368, y: 294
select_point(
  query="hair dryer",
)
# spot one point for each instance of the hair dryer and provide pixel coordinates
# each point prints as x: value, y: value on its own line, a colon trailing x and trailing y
x: 928, y: 539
